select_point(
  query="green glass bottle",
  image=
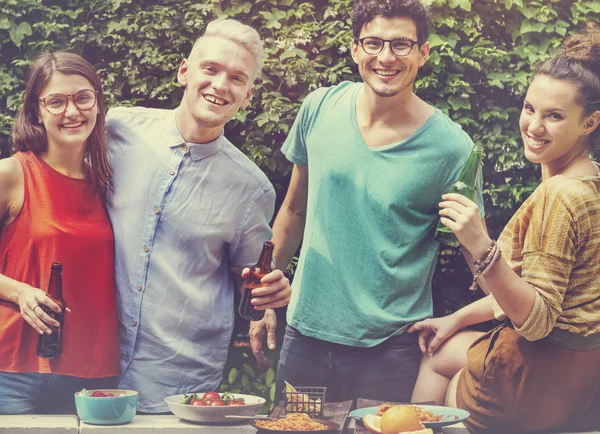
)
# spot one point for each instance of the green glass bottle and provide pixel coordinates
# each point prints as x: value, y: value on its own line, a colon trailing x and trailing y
x: 465, y: 185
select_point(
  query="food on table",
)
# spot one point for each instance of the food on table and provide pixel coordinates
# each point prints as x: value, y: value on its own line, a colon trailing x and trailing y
x: 291, y: 422
x: 401, y: 421
x: 300, y: 402
x: 211, y: 399
x: 97, y: 394
x: 424, y: 415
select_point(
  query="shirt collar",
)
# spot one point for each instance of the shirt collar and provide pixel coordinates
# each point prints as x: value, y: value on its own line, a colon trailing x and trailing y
x: 198, y: 151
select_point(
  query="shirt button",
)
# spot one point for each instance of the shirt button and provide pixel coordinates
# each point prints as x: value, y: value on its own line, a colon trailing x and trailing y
x: 139, y: 287
x: 126, y: 358
x: 171, y: 172
x: 134, y: 323
x: 156, y: 210
x: 185, y: 149
x: 146, y: 249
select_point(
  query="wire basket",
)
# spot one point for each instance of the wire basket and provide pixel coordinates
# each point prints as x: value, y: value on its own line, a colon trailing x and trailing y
x: 309, y: 400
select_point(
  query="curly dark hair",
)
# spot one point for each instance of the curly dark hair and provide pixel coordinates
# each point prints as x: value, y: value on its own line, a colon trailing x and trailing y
x: 365, y: 11
x: 578, y: 61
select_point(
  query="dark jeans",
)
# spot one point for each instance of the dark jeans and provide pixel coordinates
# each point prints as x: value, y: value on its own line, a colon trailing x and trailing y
x: 386, y: 372
x: 31, y: 392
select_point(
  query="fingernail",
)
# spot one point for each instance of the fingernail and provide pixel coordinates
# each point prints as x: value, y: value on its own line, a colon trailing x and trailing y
x: 272, y: 347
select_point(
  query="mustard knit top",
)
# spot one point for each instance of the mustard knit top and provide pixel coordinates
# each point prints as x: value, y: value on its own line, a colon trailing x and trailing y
x: 553, y: 242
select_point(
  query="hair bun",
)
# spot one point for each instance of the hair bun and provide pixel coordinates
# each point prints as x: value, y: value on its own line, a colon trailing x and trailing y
x: 584, y: 48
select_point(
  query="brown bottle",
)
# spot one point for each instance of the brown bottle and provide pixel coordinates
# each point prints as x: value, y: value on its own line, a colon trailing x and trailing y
x: 49, y: 346
x: 257, y: 272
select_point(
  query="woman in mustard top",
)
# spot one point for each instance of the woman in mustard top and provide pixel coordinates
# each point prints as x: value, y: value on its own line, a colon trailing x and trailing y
x: 539, y: 370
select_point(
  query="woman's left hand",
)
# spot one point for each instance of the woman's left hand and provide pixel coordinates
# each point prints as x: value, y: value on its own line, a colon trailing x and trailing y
x: 461, y: 216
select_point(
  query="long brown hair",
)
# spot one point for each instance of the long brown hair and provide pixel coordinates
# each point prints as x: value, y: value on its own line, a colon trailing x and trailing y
x: 578, y: 62
x: 30, y: 135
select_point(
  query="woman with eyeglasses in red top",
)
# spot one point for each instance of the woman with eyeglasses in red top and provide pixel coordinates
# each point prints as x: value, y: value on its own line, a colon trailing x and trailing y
x: 52, y: 210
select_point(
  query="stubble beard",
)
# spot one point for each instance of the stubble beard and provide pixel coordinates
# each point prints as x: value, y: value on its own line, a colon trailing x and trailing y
x: 393, y: 92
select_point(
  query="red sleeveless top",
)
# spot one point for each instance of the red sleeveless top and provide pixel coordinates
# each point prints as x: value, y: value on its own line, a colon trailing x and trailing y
x: 62, y: 220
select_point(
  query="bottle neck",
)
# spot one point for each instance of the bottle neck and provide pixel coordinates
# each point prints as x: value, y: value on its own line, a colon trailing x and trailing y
x: 470, y: 171
x: 55, y: 285
x: 266, y: 257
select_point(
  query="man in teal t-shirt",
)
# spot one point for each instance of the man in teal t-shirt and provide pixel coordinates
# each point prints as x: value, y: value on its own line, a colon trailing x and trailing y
x: 371, y: 162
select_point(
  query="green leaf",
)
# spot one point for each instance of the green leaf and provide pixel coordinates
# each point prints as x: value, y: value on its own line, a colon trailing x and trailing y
x: 435, y: 40
x: 458, y: 102
x: 232, y: 375
x: 531, y: 27
x: 272, y: 392
x: 465, y: 5
x: 293, y: 52
x: 270, y: 377
x: 594, y: 7
x: 18, y: 33
x: 248, y: 369
x: 5, y: 23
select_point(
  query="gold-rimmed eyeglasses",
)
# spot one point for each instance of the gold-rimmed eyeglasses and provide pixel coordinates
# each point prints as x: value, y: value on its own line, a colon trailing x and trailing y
x: 373, y: 45
x: 56, y: 103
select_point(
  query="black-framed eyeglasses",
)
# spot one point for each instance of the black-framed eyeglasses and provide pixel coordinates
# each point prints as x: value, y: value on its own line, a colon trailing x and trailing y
x: 373, y: 45
x: 56, y: 103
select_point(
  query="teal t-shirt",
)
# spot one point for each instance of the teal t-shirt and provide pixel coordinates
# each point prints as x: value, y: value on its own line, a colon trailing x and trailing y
x: 368, y: 252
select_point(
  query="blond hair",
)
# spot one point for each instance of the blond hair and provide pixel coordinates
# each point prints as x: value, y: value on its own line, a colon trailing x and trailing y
x: 239, y: 33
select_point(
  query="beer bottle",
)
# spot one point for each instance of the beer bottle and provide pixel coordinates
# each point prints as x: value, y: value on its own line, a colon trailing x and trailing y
x: 257, y: 272
x: 466, y: 185
x: 49, y: 346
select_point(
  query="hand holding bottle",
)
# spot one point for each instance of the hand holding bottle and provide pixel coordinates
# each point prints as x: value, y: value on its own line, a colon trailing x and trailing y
x: 30, y: 300
x: 466, y: 185
x: 462, y: 217
x: 275, y: 293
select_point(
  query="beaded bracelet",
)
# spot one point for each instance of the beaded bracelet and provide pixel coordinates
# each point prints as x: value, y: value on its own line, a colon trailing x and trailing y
x: 484, y: 264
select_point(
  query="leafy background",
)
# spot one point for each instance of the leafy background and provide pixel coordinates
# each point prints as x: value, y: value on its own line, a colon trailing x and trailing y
x: 482, y: 56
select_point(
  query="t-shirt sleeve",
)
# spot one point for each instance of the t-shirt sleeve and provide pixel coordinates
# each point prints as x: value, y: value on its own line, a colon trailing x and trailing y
x: 549, y: 254
x: 294, y: 147
x: 254, y: 230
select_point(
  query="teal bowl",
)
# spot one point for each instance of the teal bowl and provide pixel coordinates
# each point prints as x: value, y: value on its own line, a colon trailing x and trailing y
x: 115, y: 410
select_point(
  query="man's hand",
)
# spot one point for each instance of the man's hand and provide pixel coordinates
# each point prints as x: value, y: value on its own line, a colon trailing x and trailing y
x: 276, y: 292
x: 257, y: 332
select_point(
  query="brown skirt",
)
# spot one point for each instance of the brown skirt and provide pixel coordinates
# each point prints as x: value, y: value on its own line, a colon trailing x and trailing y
x: 512, y: 385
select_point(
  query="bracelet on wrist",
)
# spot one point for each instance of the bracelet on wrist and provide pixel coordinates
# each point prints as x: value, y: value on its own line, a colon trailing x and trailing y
x: 485, y: 263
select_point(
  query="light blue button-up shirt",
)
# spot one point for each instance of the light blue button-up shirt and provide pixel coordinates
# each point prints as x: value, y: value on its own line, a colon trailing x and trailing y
x: 184, y: 215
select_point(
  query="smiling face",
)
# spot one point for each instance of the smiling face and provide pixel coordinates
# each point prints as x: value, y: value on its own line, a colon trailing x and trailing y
x: 553, y: 125
x: 218, y: 79
x: 386, y: 74
x: 73, y: 127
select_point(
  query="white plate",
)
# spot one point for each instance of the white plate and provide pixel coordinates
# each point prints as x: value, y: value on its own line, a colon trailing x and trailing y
x: 215, y: 414
x: 450, y: 415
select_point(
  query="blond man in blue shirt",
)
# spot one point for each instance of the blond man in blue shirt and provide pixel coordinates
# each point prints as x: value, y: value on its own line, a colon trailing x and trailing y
x: 189, y: 212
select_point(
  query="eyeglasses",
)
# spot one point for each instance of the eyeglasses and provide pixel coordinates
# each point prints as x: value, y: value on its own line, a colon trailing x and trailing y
x: 56, y: 103
x: 373, y: 46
